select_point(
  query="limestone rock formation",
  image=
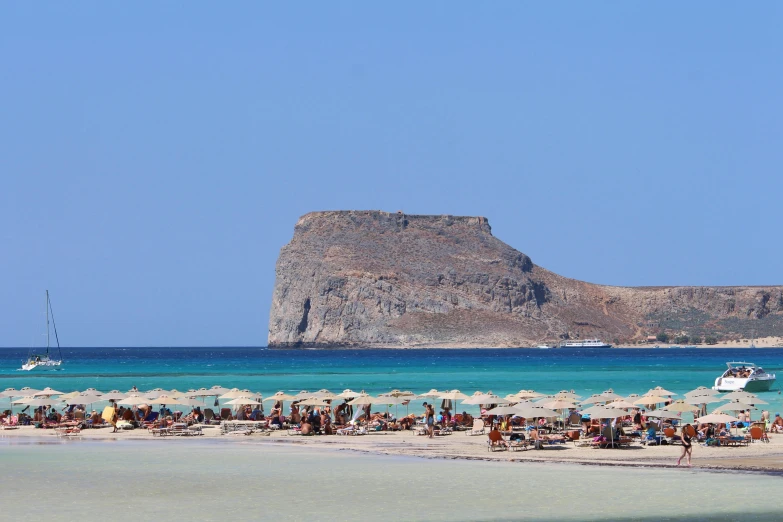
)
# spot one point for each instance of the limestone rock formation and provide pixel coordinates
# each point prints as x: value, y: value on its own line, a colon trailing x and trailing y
x: 379, y: 279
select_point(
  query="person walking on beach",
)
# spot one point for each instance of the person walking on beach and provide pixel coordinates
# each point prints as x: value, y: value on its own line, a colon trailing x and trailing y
x: 430, y: 419
x: 687, y: 448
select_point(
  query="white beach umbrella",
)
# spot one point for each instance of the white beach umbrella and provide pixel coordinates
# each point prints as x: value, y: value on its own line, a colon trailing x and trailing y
x: 313, y: 401
x: 66, y: 396
x: 658, y: 391
x: 242, y: 401
x: 84, y: 399
x: 610, y: 395
x: 663, y: 414
x: 681, y: 406
x: 47, y: 392
x: 279, y: 396
x: 702, y: 399
x: 166, y: 400
x: 650, y: 400
x: 716, y: 418
x: 348, y: 394
x: 234, y: 393
x: 529, y: 410
x: 157, y: 392
x: 304, y: 394
x: 324, y: 394
x: 27, y: 392
x: 702, y: 390
x: 735, y: 406
x: 203, y: 392
x: 187, y: 401
x: 488, y: 399
x: 527, y: 394
x: 621, y: 403
x: 38, y: 401
x: 558, y: 404
x: 741, y: 396
x: 133, y: 400
x: 114, y: 395
x: 218, y: 390
x: 503, y: 410
x: 396, y: 393
x: 362, y: 400
x: 432, y: 394
x: 567, y: 394
x: 596, y: 398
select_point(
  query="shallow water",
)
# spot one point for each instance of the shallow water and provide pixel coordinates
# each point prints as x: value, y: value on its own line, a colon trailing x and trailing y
x: 501, y: 370
x: 198, y: 480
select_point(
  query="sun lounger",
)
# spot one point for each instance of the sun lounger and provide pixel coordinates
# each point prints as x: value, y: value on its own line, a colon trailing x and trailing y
x: 11, y: 423
x: 351, y: 430
x: 518, y: 445
x: 477, y: 429
x: 496, y: 442
x: 68, y: 431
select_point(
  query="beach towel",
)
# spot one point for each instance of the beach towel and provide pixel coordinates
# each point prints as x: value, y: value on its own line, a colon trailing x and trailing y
x: 109, y: 415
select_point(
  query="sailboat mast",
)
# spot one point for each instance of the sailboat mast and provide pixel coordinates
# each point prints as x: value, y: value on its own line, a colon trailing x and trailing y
x: 47, y: 322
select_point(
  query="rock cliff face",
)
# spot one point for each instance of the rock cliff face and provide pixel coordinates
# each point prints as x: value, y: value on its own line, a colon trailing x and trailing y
x: 378, y: 279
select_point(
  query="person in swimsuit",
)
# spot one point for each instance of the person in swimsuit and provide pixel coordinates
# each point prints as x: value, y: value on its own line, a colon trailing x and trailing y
x: 430, y: 419
x: 687, y: 448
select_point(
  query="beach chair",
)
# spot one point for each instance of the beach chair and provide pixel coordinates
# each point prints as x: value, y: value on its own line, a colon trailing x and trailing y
x: 496, y: 442
x: 225, y: 414
x: 575, y: 420
x: 757, y: 434
x: 477, y: 429
x: 11, y: 423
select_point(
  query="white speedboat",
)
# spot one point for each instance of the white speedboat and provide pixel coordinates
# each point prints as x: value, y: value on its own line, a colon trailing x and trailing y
x: 744, y: 376
x: 586, y: 343
x: 45, y: 360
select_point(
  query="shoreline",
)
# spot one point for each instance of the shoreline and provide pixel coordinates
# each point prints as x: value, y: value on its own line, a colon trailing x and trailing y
x: 757, y: 458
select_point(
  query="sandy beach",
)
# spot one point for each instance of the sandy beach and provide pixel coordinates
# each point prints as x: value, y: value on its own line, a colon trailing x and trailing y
x: 758, y: 456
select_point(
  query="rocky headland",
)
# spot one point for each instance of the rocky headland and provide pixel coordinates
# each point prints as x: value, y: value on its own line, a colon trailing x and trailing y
x: 380, y: 279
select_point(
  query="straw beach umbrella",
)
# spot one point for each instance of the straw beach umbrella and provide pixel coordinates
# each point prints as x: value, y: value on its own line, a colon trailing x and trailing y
x: 432, y: 394
x: 622, y: 404
x: 650, y: 400
x: 595, y: 399
x: 114, y: 395
x: 681, y: 406
x: 716, y: 418
x: 348, y: 394
x: 243, y: 401
x: 659, y: 392
x: 47, y: 392
x: 742, y: 396
x: 610, y: 395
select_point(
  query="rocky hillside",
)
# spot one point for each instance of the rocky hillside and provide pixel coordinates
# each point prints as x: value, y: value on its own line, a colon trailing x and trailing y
x: 378, y: 279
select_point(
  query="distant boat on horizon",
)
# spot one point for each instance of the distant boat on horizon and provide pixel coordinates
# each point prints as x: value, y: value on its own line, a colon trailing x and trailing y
x: 45, y: 360
x: 586, y: 343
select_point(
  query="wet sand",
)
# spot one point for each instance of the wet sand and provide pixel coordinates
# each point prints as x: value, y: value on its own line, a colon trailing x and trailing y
x: 758, y: 456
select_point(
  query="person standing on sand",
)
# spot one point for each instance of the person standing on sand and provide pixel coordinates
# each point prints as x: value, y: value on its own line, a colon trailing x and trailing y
x: 687, y: 448
x: 430, y: 418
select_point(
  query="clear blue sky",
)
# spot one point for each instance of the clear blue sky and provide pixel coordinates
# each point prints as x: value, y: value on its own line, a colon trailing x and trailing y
x: 154, y: 158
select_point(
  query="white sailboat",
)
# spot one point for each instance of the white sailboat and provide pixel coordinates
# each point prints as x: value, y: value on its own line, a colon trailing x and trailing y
x: 45, y: 360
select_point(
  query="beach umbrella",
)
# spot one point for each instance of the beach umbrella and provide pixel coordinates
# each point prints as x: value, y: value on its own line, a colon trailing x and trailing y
x: 610, y: 394
x: 362, y: 400
x: 66, y: 396
x: 633, y: 397
x: 218, y: 390
x: 133, y: 400
x: 242, y: 401
x: 38, y: 401
x: 488, y: 399
x: 702, y: 399
x: 621, y: 403
x: 348, y: 394
x: 650, y: 400
x: 503, y: 410
x: 84, y: 399
x: 27, y: 392
x: 157, y: 392
x: 166, y: 400
x: 558, y: 404
x: 567, y: 394
x: 663, y: 414
x: 595, y: 399
x: 114, y: 395
x: 479, y: 397
x: 529, y: 410
x: 448, y: 398
x: 432, y: 394
x: 304, y: 394
x: 234, y: 393
x: 680, y: 406
x: 47, y: 392
x: 398, y: 393
x: 324, y: 394
x: 279, y: 396
x: 742, y: 396
x: 735, y: 406
x: 702, y: 390
x: 659, y: 391
x: 716, y: 418
x: 313, y: 401
x: 187, y: 401
x: 203, y: 392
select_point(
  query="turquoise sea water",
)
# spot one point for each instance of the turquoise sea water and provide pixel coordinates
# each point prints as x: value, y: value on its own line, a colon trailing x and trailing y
x: 503, y: 371
x: 195, y: 480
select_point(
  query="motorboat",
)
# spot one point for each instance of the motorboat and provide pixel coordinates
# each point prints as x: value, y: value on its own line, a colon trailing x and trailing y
x: 744, y: 376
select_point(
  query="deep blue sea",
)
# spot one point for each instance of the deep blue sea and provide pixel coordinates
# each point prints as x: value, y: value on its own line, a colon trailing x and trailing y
x: 502, y: 371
